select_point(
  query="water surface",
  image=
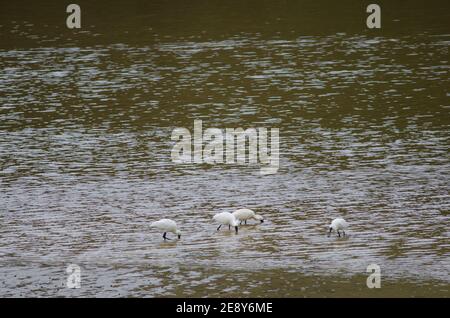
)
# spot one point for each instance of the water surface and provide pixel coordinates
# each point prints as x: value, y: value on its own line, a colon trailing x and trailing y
x: 85, y: 166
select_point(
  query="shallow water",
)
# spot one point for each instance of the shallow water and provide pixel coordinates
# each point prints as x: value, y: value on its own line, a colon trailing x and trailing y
x: 85, y: 148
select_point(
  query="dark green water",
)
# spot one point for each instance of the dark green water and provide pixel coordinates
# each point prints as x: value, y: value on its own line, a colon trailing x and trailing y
x: 86, y: 118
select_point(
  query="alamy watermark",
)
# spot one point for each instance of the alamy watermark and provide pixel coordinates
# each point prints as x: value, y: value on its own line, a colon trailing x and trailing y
x: 73, y: 21
x: 374, y: 279
x: 228, y: 146
x: 373, y: 21
x: 74, y: 276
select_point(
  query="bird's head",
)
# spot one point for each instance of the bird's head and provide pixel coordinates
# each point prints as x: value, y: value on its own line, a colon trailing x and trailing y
x: 330, y: 229
x: 259, y: 218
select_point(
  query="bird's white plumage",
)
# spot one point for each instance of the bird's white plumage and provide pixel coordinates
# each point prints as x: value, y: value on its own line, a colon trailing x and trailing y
x: 166, y: 225
x: 339, y: 224
x: 226, y: 218
x: 246, y: 214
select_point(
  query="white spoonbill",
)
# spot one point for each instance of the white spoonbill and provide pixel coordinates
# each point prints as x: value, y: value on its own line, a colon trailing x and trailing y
x: 167, y: 225
x: 337, y: 225
x: 226, y: 218
x: 246, y: 214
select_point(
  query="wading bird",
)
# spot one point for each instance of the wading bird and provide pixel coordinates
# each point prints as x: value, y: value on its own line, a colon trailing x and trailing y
x: 337, y: 225
x: 245, y: 214
x: 226, y: 218
x: 167, y: 225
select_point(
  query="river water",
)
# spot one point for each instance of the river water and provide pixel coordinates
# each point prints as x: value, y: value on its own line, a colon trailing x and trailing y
x: 85, y: 148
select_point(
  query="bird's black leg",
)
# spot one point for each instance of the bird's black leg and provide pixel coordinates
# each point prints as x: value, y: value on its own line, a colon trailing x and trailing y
x: 164, y: 236
x: 245, y: 222
x: 343, y: 232
x: 219, y: 227
x: 339, y: 234
x: 229, y: 226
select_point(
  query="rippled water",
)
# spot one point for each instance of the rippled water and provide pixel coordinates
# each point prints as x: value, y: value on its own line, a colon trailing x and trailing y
x: 85, y: 161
